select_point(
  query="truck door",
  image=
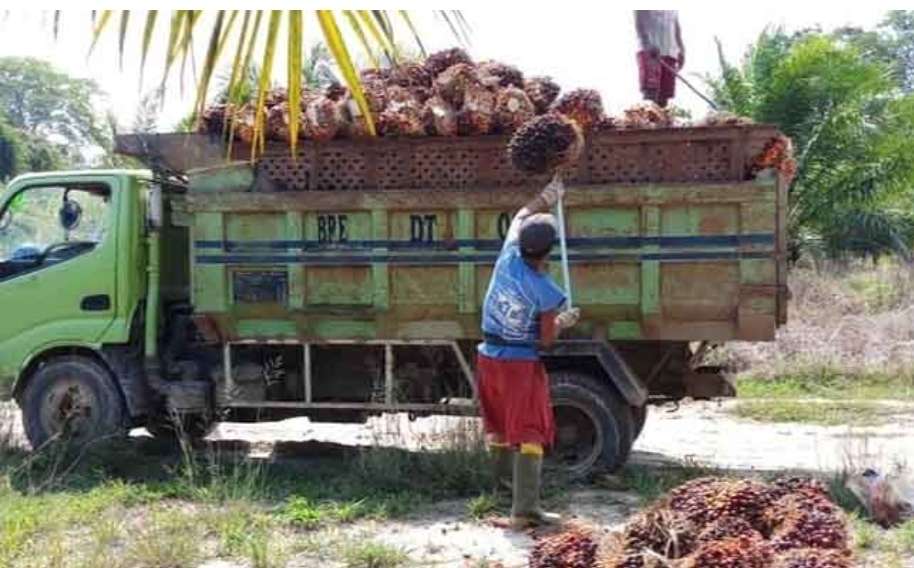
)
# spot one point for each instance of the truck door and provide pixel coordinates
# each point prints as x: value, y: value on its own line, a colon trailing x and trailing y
x: 58, y: 247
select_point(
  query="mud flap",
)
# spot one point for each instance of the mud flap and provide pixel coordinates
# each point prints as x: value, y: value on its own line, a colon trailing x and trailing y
x: 622, y: 376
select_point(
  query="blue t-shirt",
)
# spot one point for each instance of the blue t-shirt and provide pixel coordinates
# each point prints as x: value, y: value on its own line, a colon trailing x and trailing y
x: 516, y: 298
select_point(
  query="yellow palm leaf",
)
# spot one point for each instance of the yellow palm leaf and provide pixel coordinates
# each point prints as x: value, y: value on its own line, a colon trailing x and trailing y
x: 147, y: 39
x: 266, y: 70
x: 360, y: 33
x: 337, y: 47
x: 369, y: 24
x: 212, y: 54
x: 100, y: 27
x: 294, y: 70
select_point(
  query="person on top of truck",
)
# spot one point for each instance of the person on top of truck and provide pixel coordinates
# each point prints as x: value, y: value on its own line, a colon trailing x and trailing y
x: 521, y: 313
x: 661, y: 54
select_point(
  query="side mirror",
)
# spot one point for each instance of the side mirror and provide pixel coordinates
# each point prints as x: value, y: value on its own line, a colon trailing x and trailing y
x: 70, y: 214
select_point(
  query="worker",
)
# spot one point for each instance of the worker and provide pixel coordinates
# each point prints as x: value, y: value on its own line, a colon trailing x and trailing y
x: 522, y: 311
x: 661, y: 55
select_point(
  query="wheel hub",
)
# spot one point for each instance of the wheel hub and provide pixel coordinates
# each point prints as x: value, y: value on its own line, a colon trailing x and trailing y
x: 69, y: 410
x: 578, y: 440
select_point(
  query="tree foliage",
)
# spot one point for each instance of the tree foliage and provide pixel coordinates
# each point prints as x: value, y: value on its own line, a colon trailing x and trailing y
x: 851, y: 125
x: 50, y: 115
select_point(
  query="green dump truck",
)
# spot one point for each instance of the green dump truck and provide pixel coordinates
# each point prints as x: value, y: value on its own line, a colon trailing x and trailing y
x: 346, y: 281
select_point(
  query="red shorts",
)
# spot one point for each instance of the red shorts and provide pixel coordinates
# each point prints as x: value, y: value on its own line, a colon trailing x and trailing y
x: 658, y: 82
x: 515, y: 401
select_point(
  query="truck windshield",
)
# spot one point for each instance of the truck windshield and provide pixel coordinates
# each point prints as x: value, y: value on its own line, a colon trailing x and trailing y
x: 49, y: 218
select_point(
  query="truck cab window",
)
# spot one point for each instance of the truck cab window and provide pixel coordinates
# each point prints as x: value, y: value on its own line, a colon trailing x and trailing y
x: 41, y: 226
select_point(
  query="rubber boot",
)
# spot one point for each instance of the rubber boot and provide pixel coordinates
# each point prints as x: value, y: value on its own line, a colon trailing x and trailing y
x: 503, y: 460
x: 526, y: 511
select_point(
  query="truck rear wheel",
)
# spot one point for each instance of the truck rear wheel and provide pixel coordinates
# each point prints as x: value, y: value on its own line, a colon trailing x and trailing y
x: 72, y: 399
x: 594, y: 427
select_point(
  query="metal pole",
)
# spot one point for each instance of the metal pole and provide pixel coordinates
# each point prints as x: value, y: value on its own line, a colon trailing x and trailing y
x: 689, y: 85
x: 566, y: 274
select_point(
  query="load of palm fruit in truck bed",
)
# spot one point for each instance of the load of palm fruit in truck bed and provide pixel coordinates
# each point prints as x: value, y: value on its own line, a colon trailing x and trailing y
x: 444, y: 124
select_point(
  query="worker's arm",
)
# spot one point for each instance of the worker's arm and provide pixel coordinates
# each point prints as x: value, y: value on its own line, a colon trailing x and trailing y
x: 681, y: 45
x: 553, y: 322
x: 539, y: 204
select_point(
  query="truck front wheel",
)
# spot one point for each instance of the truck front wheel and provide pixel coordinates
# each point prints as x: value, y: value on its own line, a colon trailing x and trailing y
x: 74, y: 400
x: 594, y: 427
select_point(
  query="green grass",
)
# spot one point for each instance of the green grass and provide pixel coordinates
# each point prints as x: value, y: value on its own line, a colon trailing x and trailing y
x: 821, y: 413
x: 369, y: 554
x: 829, y: 383
x: 482, y: 506
x: 650, y: 483
x: 57, y: 503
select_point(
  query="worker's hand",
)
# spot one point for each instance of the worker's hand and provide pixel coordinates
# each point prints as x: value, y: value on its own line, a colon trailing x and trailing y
x: 553, y: 192
x: 568, y: 318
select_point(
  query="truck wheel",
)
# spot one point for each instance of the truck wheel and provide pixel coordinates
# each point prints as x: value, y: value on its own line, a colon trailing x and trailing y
x: 639, y: 415
x: 73, y: 399
x: 594, y: 427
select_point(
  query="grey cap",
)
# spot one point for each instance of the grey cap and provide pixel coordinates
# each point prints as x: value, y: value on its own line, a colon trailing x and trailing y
x: 537, y: 235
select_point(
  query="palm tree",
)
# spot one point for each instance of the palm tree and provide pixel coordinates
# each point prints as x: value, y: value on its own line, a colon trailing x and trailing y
x: 234, y: 34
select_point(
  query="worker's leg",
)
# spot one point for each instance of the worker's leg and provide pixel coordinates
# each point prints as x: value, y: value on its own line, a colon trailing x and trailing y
x: 649, y: 76
x: 530, y: 425
x: 503, y: 461
x: 490, y: 386
x: 667, y: 83
x: 526, y: 510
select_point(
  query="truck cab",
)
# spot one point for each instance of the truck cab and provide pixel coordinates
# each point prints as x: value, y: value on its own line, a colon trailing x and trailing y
x: 72, y: 286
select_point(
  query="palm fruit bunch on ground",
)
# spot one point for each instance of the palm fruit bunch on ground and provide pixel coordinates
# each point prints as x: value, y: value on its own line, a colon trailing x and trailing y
x: 542, y: 92
x: 573, y: 547
x: 813, y: 558
x: 715, y: 522
x: 545, y: 143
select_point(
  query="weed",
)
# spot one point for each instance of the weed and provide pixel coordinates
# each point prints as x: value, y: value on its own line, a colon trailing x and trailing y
x: 169, y: 540
x: 482, y: 506
x: 650, y: 483
x: 370, y: 554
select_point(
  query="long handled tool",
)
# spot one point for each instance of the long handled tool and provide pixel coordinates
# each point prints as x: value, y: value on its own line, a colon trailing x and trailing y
x: 560, y: 216
x: 694, y: 89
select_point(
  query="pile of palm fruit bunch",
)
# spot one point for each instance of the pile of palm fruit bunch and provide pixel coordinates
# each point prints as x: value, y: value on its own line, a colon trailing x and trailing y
x: 777, y: 154
x: 717, y: 523
x: 447, y: 94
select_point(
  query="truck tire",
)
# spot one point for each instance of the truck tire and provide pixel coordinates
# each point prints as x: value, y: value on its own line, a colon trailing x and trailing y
x: 639, y: 417
x: 594, y: 427
x: 72, y: 399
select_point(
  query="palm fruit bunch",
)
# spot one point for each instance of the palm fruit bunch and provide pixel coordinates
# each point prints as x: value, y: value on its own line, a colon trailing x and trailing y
x: 812, y: 558
x: 414, y: 77
x: 512, y: 109
x: 734, y: 523
x: 402, y: 116
x: 322, y: 119
x: 243, y: 123
x: 574, y: 547
x: 478, y: 113
x: 278, y: 122
x: 734, y: 552
x: 706, y: 499
x: 545, y: 143
x: 646, y: 115
x: 213, y: 118
x: 494, y: 74
x: 660, y: 530
x: 542, y: 92
x: 436, y: 63
x: 728, y: 527
x: 777, y: 154
x: 583, y: 106
x: 439, y: 117
x: 451, y: 85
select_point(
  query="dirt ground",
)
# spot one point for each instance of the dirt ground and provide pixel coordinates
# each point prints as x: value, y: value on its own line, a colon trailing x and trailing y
x: 699, y: 433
